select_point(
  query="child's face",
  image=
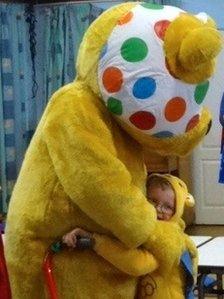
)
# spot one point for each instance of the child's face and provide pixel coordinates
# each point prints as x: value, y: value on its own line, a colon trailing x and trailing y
x: 163, y: 201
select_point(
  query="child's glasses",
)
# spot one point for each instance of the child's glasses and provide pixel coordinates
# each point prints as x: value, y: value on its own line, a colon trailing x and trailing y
x: 163, y: 208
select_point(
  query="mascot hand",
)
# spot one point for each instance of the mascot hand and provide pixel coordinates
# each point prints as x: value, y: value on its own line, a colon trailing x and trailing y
x: 167, y: 244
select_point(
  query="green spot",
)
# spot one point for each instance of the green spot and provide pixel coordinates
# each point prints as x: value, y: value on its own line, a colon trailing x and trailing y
x: 115, y: 106
x: 201, y: 91
x: 134, y: 49
x: 152, y: 5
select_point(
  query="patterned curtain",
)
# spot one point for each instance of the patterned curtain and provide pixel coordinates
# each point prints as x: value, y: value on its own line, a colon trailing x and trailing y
x: 167, y: 2
x: 59, y: 32
x: 16, y: 103
x: 38, y: 48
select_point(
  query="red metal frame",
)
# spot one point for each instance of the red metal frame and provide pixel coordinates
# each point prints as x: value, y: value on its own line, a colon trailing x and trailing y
x: 49, y: 278
x: 5, y: 290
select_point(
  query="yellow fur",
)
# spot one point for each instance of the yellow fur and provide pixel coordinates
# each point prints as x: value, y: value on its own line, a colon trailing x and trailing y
x: 72, y: 177
x: 82, y: 169
x: 165, y: 279
x: 191, y: 47
x: 179, y: 145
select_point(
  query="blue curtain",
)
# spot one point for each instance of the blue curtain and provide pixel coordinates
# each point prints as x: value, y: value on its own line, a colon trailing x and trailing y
x: 166, y: 2
x: 214, y: 8
x: 37, y: 50
x: 16, y: 102
x: 59, y: 32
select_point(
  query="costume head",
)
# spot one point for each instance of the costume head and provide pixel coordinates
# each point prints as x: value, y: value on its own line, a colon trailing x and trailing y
x: 152, y: 67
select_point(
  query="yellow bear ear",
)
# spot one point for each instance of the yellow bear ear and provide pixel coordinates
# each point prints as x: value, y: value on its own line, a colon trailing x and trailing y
x: 191, y: 47
x: 190, y: 202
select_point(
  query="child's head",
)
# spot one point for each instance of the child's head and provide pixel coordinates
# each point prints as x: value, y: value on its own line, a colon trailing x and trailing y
x: 161, y: 194
x: 169, y: 195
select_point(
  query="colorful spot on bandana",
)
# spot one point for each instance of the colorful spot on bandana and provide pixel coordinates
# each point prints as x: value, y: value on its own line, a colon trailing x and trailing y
x: 160, y: 28
x: 200, y: 92
x: 144, y: 87
x: 152, y: 6
x: 125, y: 18
x: 175, y: 109
x: 104, y: 51
x: 164, y: 134
x: 114, y: 106
x: 112, y: 79
x: 134, y: 49
x: 143, y: 120
x: 193, y: 122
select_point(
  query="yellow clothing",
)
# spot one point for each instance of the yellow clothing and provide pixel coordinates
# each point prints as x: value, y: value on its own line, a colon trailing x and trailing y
x: 157, y: 281
x: 82, y: 169
x: 154, y: 283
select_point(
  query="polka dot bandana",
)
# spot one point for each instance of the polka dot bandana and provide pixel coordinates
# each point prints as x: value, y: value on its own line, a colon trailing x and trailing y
x: 134, y: 78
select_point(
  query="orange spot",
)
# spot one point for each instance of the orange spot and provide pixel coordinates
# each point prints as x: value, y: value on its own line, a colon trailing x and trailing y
x: 160, y: 28
x: 125, y: 18
x: 175, y: 109
x: 112, y: 79
x: 192, y: 123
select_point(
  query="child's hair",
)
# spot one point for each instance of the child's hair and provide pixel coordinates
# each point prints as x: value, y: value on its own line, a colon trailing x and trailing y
x: 157, y: 181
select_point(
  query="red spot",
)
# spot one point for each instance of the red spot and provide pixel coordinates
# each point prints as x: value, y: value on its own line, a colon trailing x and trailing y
x: 143, y: 120
x: 160, y: 28
x: 193, y: 122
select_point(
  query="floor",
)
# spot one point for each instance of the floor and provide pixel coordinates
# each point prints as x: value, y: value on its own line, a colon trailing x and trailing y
x: 206, y: 230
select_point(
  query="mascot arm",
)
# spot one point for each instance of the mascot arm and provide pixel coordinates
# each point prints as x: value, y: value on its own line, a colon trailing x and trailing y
x: 167, y: 244
x: 135, y: 262
x: 92, y: 175
x: 194, y: 255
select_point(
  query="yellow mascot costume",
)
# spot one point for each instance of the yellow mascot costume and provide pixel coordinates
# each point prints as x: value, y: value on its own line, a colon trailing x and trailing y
x: 142, y: 74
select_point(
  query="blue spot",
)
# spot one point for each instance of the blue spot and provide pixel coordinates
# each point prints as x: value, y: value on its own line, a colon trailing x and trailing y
x: 104, y: 51
x: 144, y: 88
x: 164, y: 134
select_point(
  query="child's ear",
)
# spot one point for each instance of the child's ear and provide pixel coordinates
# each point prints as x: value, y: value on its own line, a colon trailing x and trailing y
x: 190, y: 202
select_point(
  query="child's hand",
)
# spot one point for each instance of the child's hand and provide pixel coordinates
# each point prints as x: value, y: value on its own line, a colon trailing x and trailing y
x: 70, y: 239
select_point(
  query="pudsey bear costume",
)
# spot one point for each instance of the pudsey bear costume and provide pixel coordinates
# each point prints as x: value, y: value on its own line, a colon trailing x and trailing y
x: 142, y: 73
